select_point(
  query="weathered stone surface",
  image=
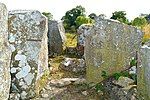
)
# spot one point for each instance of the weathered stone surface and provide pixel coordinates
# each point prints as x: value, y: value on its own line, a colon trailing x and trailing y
x: 123, y: 81
x: 73, y: 65
x: 116, y: 92
x: 14, y: 96
x: 56, y: 37
x: 29, y: 59
x: 4, y: 55
x: 143, y: 73
x: 67, y: 81
x: 109, y: 47
x: 82, y: 32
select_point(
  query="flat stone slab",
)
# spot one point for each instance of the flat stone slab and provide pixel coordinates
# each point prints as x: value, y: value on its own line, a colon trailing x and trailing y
x: 29, y: 60
x: 109, y: 47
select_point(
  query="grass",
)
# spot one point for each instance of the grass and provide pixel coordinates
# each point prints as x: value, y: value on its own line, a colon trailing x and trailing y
x: 56, y: 72
x: 146, y: 30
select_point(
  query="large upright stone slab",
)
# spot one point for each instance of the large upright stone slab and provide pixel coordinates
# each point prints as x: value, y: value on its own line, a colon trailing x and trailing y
x: 143, y: 73
x: 82, y: 32
x: 29, y: 60
x: 4, y: 55
x: 109, y: 48
x: 56, y: 37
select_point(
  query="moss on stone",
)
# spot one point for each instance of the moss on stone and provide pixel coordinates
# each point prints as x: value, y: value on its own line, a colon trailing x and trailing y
x: 42, y: 81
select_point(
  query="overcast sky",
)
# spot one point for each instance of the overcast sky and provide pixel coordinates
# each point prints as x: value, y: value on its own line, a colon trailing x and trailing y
x: 58, y: 8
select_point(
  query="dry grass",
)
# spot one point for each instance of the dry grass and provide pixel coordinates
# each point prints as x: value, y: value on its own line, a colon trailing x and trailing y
x: 146, y: 30
x: 71, y: 40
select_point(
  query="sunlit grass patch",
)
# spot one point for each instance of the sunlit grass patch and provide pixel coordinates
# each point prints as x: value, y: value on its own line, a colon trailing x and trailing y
x: 71, y: 40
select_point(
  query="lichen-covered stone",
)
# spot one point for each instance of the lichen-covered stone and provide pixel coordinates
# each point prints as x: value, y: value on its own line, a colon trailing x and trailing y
x: 109, y: 47
x: 56, y: 37
x: 143, y: 73
x: 5, y: 78
x: 28, y: 41
x: 82, y: 32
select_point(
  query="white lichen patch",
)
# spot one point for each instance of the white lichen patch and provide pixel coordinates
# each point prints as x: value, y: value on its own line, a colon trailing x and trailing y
x: 24, y: 72
x: 28, y: 79
x: 13, y: 70
x: 12, y: 48
x: 12, y: 38
x: 23, y: 95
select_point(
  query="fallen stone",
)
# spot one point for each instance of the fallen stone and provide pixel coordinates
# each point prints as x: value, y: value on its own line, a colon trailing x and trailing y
x: 60, y: 83
x: 29, y: 59
x: 109, y: 47
x: 5, y: 53
x: 56, y: 37
x: 115, y: 92
x: 123, y: 81
x: 73, y: 65
x: 66, y: 81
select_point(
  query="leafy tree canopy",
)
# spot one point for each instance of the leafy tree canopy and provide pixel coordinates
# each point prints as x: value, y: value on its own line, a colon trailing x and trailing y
x: 139, y: 22
x: 48, y: 15
x: 120, y: 16
x: 83, y: 20
x: 71, y: 15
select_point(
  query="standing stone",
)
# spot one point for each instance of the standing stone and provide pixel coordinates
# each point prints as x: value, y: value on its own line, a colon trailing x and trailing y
x: 109, y: 48
x: 4, y: 55
x: 29, y: 59
x: 56, y: 37
x: 82, y: 32
x: 143, y: 73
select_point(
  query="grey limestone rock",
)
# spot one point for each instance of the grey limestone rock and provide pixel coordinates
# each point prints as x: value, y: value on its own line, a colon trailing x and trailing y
x: 29, y: 59
x: 5, y: 53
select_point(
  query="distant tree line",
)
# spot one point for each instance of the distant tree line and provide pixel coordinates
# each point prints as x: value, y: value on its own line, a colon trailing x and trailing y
x: 77, y: 16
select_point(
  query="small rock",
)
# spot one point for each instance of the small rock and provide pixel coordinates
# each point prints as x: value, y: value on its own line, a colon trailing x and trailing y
x: 44, y: 95
x: 48, y: 87
x: 14, y: 96
x: 73, y: 65
x: 123, y: 81
x: 85, y: 93
x: 132, y: 70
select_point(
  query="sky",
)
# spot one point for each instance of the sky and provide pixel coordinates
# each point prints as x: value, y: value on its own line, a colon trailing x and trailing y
x: 58, y: 8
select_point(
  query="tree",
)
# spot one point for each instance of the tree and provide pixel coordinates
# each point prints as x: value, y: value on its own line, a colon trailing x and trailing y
x: 147, y: 17
x: 48, y: 15
x: 120, y: 16
x: 92, y: 15
x: 139, y: 22
x: 83, y: 20
x: 71, y: 15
